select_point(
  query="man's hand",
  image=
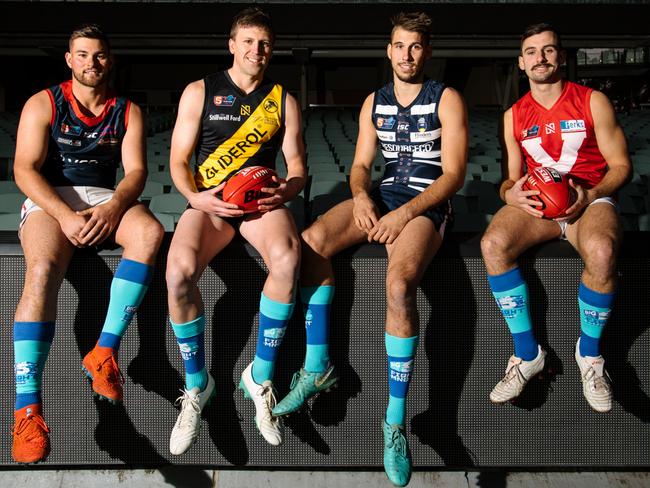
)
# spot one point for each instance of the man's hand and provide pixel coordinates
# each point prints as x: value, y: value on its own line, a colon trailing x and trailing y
x: 72, y: 225
x: 583, y: 199
x: 388, y: 227
x: 101, y: 222
x: 365, y: 213
x: 278, y: 195
x: 519, y: 198
x: 207, y: 201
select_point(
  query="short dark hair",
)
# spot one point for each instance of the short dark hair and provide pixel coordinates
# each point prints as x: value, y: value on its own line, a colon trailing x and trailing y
x: 90, y: 31
x: 534, y: 29
x: 413, y: 22
x: 252, y: 17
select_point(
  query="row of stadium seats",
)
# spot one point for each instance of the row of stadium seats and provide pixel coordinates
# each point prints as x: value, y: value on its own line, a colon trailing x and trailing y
x: 330, y: 136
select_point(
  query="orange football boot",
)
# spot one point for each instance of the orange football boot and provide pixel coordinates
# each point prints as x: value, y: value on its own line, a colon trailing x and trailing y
x: 107, y: 379
x: 31, y: 441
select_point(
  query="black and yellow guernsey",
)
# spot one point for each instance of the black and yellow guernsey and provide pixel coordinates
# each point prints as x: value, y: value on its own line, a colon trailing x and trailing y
x: 237, y: 130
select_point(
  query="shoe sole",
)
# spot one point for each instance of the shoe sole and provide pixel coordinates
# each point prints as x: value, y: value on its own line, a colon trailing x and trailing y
x: 332, y: 386
x: 112, y: 401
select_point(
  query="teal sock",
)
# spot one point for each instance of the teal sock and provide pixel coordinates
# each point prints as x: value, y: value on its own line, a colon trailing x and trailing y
x: 595, y: 309
x: 401, y: 355
x: 272, y: 326
x: 32, y: 341
x: 317, y: 300
x: 191, y: 341
x: 511, y: 293
x: 128, y: 288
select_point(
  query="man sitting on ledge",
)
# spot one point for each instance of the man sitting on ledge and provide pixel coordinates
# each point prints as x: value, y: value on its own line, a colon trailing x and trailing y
x: 71, y: 140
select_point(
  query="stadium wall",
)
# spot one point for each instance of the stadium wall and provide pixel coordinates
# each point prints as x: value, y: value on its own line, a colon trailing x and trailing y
x: 463, y: 350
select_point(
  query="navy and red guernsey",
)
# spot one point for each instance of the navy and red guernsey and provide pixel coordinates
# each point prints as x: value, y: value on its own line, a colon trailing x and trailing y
x: 84, y: 151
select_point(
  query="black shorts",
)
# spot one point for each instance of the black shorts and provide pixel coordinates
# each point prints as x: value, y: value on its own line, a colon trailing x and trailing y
x: 389, y: 197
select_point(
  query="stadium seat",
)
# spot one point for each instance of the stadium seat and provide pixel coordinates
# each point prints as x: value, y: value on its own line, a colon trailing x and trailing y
x: 151, y: 189
x: 471, y: 222
x: 9, y: 221
x: 163, y: 177
x: 8, y: 187
x: 168, y: 221
x: 170, y: 203
x: 11, y: 202
x: 318, y: 188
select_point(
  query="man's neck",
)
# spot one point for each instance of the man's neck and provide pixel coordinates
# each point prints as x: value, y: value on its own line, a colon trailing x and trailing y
x: 244, y: 82
x: 546, y: 94
x: 406, y: 92
x: 91, y: 100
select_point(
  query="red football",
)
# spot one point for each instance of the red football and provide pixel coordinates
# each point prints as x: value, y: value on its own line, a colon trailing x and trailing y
x: 554, y: 191
x: 245, y: 188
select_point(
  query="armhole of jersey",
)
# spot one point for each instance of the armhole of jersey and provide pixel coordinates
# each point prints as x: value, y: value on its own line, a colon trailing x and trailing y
x: 53, y: 117
x: 127, y: 112
x: 514, y: 122
x: 205, y: 99
x: 590, y: 117
x: 374, y: 108
x: 283, y: 112
x: 442, y: 91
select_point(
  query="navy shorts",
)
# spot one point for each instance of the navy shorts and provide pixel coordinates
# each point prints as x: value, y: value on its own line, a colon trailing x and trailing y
x: 389, y: 197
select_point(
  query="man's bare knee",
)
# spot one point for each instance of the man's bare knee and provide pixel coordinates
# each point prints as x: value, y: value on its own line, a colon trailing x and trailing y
x: 180, y: 276
x: 315, y: 238
x: 400, y: 293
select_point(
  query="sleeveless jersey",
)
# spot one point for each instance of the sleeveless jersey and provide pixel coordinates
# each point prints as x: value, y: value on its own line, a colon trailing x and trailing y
x: 562, y: 137
x: 82, y: 150
x: 237, y: 130
x: 409, y: 137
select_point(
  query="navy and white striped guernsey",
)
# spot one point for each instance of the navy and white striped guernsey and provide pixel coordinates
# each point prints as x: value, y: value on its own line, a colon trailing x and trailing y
x: 409, y: 137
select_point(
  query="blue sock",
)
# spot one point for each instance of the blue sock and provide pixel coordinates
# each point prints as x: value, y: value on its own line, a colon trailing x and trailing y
x: 191, y: 341
x: 127, y: 291
x: 318, y: 301
x: 401, y: 354
x: 32, y: 342
x: 594, y: 311
x: 511, y: 293
x: 273, y: 323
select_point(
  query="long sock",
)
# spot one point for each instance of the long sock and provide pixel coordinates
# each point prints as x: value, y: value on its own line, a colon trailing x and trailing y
x: 191, y: 341
x: 511, y: 293
x: 273, y: 324
x: 32, y: 342
x: 401, y: 354
x: 318, y: 301
x: 128, y: 288
x: 595, y: 309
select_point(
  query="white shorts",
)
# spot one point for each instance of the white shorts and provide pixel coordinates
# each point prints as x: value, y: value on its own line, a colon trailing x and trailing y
x: 76, y: 197
x: 563, y: 225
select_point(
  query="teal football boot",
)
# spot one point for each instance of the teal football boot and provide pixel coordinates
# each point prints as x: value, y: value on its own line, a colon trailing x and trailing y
x: 397, y: 456
x: 305, y: 385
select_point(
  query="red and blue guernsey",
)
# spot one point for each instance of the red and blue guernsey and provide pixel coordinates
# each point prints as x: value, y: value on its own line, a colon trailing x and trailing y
x: 84, y: 151
x: 561, y: 137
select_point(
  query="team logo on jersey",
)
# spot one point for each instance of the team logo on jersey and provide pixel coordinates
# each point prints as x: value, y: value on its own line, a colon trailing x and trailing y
x: 69, y: 142
x: 70, y: 129
x: 402, y: 127
x: 550, y: 128
x: 388, y: 123
x: 224, y: 101
x: 270, y: 106
x: 245, y: 110
x: 530, y: 132
x: 572, y: 125
x: 422, y: 124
